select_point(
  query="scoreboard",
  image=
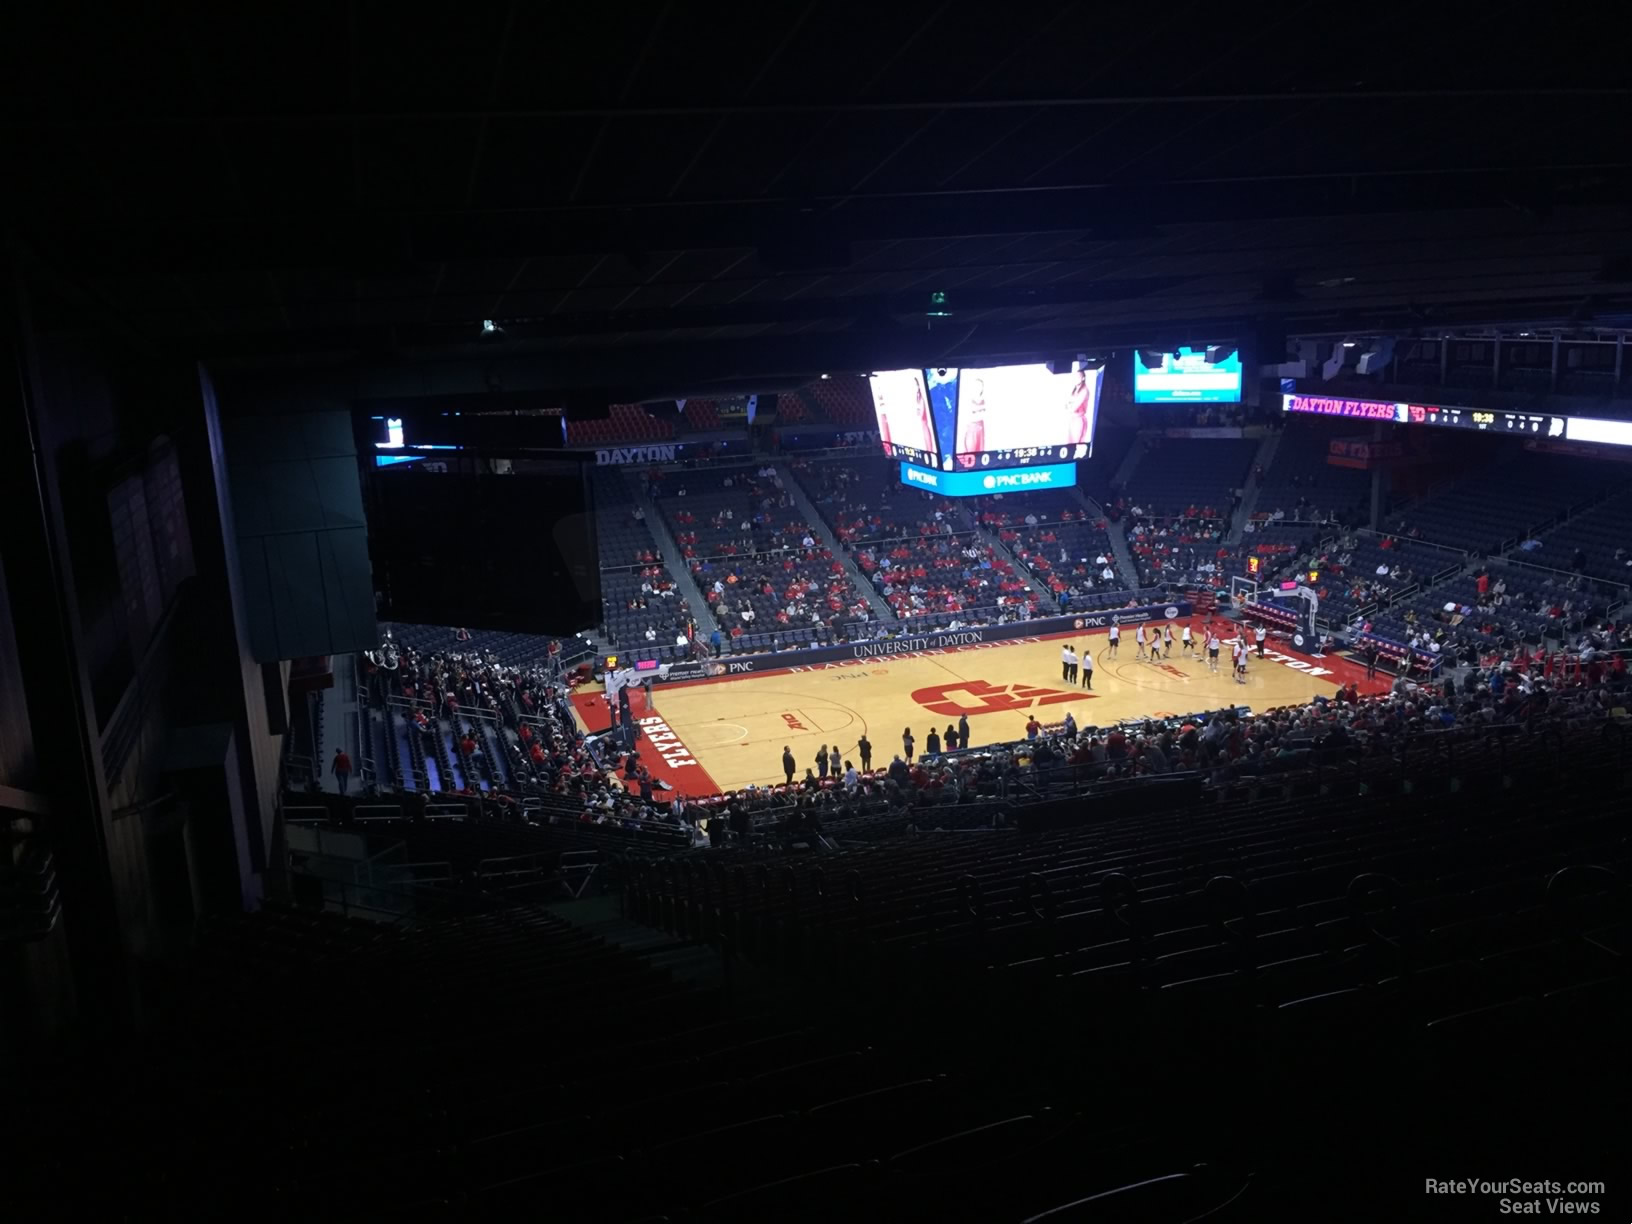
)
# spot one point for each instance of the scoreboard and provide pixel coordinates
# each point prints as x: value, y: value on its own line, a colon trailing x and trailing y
x: 1530, y: 424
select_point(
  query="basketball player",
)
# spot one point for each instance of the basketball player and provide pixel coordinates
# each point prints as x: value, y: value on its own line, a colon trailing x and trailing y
x: 1116, y: 637
x: 1212, y: 650
x: 1139, y: 642
x: 1167, y: 640
x: 1077, y: 404
x: 1087, y: 668
x: 1260, y: 634
x: 972, y: 422
x: 919, y: 430
x: 1241, y: 660
x: 1187, y: 642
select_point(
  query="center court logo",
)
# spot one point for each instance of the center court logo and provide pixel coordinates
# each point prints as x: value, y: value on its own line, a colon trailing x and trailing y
x: 1018, y: 480
x: 991, y: 698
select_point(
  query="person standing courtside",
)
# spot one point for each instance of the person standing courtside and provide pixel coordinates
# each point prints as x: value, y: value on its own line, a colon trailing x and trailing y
x: 963, y: 730
x: 1087, y: 669
x: 788, y: 764
x: 1116, y: 637
x: 864, y: 748
x: 1068, y: 664
x: 1259, y: 634
x: 906, y: 744
x: 821, y: 760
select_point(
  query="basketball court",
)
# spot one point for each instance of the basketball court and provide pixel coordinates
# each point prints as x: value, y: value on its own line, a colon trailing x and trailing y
x: 703, y: 736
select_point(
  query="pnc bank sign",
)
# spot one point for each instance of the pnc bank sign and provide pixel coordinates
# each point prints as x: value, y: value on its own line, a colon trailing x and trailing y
x: 984, y: 484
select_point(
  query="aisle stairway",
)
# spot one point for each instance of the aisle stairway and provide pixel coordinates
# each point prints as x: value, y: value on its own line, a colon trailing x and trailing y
x: 1121, y: 554
x: 686, y: 961
x: 1129, y: 464
x: 670, y: 551
x: 340, y: 722
x: 824, y: 535
x: 1267, y: 447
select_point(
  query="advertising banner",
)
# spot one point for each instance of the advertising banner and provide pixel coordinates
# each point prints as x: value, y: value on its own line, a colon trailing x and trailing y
x: 1362, y: 453
x: 984, y: 484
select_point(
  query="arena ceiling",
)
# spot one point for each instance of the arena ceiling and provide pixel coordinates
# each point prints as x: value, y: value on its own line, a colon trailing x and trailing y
x: 756, y: 189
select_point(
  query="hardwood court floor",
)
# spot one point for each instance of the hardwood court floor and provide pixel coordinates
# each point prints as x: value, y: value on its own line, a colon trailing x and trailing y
x: 729, y: 732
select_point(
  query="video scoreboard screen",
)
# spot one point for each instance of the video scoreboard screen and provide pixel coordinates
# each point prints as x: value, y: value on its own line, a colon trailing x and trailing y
x: 1023, y: 414
x: 1187, y: 376
x: 1530, y: 424
x: 973, y: 420
x: 905, y: 425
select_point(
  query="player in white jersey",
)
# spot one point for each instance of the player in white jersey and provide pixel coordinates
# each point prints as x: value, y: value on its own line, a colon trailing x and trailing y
x: 1186, y: 641
x: 1212, y: 650
x: 1116, y: 637
x: 1139, y: 641
x: 1241, y: 653
x: 1167, y: 640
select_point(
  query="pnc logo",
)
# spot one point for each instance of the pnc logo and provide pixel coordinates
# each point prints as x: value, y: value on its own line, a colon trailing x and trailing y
x: 1018, y: 480
x: 793, y: 721
x: 979, y: 697
x: 919, y: 476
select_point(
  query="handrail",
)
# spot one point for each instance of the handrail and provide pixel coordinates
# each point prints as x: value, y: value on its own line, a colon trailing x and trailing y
x: 409, y: 704
x: 1408, y: 539
x: 364, y: 813
x: 1549, y: 569
x: 123, y: 730
x: 920, y: 538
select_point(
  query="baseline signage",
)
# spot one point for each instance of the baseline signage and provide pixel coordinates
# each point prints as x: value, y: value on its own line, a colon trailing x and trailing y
x: 985, y: 484
x: 937, y: 642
